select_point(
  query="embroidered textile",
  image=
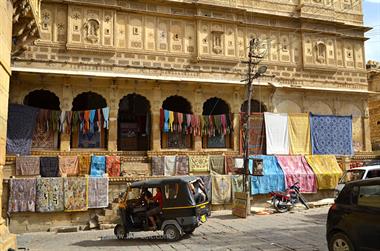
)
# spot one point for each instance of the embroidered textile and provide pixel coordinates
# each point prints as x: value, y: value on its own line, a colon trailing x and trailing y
x: 198, y: 163
x: 134, y: 169
x: 97, y: 192
x: 217, y: 164
x: 49, y: 167
x: 221, y: 189
x: 22, y: 195
x: 230, y: 164
x: 49, y: 196
x: 113, y: 166
x: 182, y: 165
x: 299, y: 133
x: 98, y: 165
x: 84, y: 163
x: 158, y: 166
x: 169, y: 162
x: 68, y: 165
x: 257, y: 137
x: 237, y: 184
x: 75, y: 193
x: 27, y: 165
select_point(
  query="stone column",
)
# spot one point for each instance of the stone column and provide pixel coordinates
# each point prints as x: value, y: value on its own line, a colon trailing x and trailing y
x: 66, y: 105
x: 114, y: 109
x: 198, y: 111
x: 155, y: 118
x: 7, y: 240
x: 366, y: 129
x: 235, y: 109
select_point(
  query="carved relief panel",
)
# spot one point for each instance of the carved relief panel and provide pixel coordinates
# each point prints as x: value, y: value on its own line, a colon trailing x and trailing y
x: 75, y: 17
x: 121, y: 33
x: 135, y: 28
x: 359, y: 58
x: 190, y: 38
x: 230, y: 41
x: 204, y: 37
x: 47, y: 22
x: 108, y: 28
x: 241, y: 42
x: 163, y: 35
x: 150, y: 33
x: 285, y: 48
x: 176, y: 36
x: 348, y: 54
x: 60, y: 24
x: 274, y: 47
x: 319, y: 50
x: 339, y: 53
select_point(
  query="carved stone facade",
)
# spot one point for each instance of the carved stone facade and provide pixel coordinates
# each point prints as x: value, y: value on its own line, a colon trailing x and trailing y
x: 373, y: 69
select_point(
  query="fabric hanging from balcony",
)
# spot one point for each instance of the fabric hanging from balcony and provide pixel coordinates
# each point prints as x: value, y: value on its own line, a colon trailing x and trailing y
x: 27, y: 165
x: 158, y: 166
x: 84, y: 163
x: 237, y: 184
x: 169, y: 164
x: 75, y: 193
x: 49, y: 195
x: 331, y: 134
x: 98, y: 165
x: 277, y: 136
x: 216, y: 124
x: 299, y: 133
x: 182, y: 165
x: 113, y: 166
x: 198, y: 163
x: 217, y: 164
x: 179, y: 122
x: 97, y: 192
x: 68, y: 165
x: 22, y: 195
x: 207, y: 182
x: 49, y: 167
x: 221, y: 189
x: 257, y: 136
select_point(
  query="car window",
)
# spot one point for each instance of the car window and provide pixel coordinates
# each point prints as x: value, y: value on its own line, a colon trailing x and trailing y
x: 345, y: 196
x: 373, y: 173
x: 171, y: 191
x: 369, y: 196
x: 351, y: 175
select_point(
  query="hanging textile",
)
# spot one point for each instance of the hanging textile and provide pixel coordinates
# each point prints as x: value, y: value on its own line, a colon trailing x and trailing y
x: 44, y: 139
x: 97, y: 192
x: 182, y: 165
x: 277, y: 135
x: 21, y: 123
x: 217, y: 164
x: 169, y: 163
x: 273, y: 179
x: 84, y: 163
x: 49, y: 195
x: 257, y: 137
x: 198, y: 163
x: 49, y: 167
x: 68, y: 165
x: 177, y: 122
x: 326, y: 169
x: 134, y: 169
x: 22, y: 195
x: 331, y: 134
x: 75, y: 193
x: 221, y: 189
x: 299, y: 133
x: 230, y: 164
x: 27, y: 165
x: 158, y: 166
x: 295, y: 169
x: 237, y: 184
x: 98, y: 165
x: 106, y: 113
x: 207, y: 182
x: 212, y: 125
x: 113, y: 166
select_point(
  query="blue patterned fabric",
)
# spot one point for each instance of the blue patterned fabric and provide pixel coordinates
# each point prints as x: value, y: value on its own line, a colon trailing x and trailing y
x: 166, y: 121
x: 98, y: 166
x: 273, y: 179
x: 331, y: 134
x: 21, y: 124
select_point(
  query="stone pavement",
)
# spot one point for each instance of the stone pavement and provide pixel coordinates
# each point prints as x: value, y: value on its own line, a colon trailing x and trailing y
x: 302, y: 230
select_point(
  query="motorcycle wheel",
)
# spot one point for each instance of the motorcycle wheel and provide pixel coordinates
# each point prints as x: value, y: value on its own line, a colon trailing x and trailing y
x: 303, y: 201
x: 279, y: 208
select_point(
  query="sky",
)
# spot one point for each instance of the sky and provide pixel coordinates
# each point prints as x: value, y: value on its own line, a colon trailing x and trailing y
x: 371, y: 11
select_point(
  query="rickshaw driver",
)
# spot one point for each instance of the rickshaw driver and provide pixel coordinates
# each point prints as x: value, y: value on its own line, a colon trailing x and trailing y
x: 151, y: 213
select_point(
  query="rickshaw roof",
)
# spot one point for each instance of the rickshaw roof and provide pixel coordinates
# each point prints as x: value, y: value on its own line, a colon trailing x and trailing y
x: 158, y: 182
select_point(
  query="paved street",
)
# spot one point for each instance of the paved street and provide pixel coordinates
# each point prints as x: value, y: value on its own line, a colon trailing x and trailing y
x: 300, y: 230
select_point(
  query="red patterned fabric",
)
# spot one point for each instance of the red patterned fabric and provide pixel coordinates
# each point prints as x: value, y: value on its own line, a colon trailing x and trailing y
x: 113, y: 166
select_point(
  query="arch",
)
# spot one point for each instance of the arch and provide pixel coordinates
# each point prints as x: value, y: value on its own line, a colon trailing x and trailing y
x: 215, y: 106
x: 350, y: 109
x: 288, y: 106
x: 321, y: 108
x: 43, y: 99
x: 88, y: 101
x: 177, y: 104
x: 256, y: 106
x: 134, y: 126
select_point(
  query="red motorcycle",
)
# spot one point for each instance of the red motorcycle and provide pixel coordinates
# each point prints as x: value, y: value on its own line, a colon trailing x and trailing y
x: 285, y: 201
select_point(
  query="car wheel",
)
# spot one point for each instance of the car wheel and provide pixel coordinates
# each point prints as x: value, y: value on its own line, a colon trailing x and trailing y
x: 120, y: 232
x: 171, y: 233
x: 340, y: 242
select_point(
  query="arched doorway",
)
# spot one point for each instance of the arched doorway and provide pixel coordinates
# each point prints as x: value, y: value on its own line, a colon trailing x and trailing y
x: 256, y: 106
x: 88, y: 129
x: 134, y: 123
x: 218, y: 111
x: 174, y: 140
x: 44, y: 137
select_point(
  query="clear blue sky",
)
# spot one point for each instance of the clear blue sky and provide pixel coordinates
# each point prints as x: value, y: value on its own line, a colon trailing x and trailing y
x: 371, y: 11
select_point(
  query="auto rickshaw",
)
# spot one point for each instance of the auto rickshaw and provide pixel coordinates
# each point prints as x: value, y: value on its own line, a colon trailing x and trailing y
x: 185, y: 206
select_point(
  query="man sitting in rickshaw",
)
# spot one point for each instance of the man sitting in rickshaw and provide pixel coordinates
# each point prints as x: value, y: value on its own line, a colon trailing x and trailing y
x: 156, y: 209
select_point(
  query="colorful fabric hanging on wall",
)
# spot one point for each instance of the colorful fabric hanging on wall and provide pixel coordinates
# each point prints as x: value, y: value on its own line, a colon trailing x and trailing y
x: 230, y: 164
x: 182, y: 165
x: 68, y: 165
x: 49, y: 196
x: 213, y: 125
x: 75, y: 193
x: 180, y: 122
x: 237, y: 184
x: 198, y: 163
x: 207, y: 182
x: 49, y: 167
x: 295, y: 169
x: 27, y: 165
x: 84, y: 163
x: 158, y: 166
x: 257, y: 136
x: 169, y: 163
x: 277, y: 135
x: 299, y: 133
x: 134, y: 169
x: 217, y: 164
x: 22, y: 195
x: 98, y: 165
x: 326, y: 169
x: 221, y: 189
x: 20, y: 128
x: 273, y: 178
x: 331, y: 134
x: 113, y: 166
x: 97, y: 192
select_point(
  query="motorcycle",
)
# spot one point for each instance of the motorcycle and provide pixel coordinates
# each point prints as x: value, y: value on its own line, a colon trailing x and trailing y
x: 285, y: 201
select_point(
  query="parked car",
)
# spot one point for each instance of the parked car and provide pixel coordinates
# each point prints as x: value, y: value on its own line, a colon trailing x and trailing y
x: 353, y: 221
x: 358, y: 173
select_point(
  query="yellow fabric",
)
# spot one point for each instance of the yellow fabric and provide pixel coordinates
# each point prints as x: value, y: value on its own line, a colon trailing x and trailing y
x: 171, y: 120
x: 357, y: 133
x: 326, y: 170
x: 299, y: 133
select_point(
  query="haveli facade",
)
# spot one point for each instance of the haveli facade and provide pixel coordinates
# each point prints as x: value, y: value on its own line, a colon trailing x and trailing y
x: 185, y: 56
x: 373, y: 69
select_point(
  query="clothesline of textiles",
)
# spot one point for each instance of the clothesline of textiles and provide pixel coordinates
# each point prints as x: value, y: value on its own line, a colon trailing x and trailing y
x: 197, y: 125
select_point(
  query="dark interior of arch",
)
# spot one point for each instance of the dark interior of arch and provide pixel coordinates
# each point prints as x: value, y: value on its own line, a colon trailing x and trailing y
x: 177, y: 104
x: 256, y: 106
x: 88, y: 101
x: 215, y: 106
x: 42, y: 99
x: 134, y: 104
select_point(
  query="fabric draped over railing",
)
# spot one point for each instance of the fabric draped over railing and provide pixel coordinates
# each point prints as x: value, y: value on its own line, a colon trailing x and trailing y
x: 299, y: 133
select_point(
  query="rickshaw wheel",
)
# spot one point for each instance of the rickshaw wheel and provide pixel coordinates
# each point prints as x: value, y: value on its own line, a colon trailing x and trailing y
x: 171, y: 233
x: 120, y: 232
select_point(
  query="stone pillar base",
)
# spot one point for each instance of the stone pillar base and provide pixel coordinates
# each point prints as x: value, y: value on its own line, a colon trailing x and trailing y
x: 7, y: 240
